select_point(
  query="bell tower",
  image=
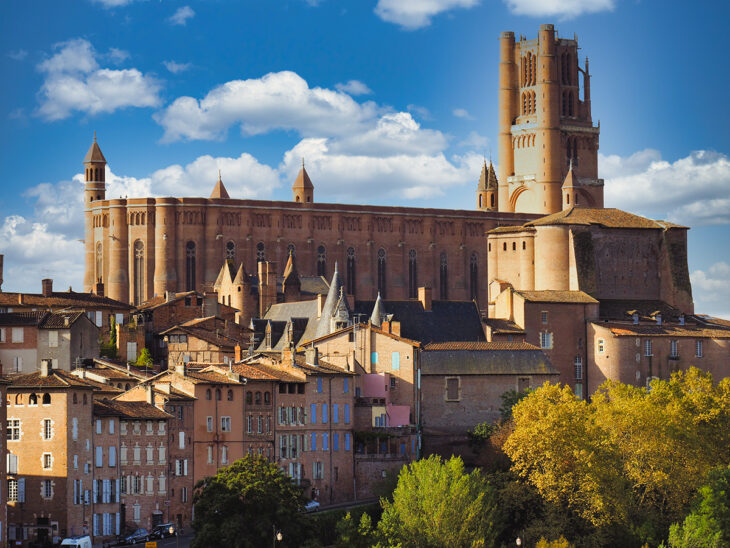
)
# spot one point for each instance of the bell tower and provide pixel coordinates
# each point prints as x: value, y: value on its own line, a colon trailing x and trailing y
x: 487, y: 190
x: 303, y: 189
x: 545, y: 124
x: 94, y: 191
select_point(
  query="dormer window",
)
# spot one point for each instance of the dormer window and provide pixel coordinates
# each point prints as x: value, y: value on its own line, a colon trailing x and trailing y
x: 635, y: 317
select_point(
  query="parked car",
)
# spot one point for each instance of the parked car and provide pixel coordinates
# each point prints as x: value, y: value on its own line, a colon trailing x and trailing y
x: 163, y: 530
x: 82, y: 541
x: 140, y: 535
x: 311, y: 506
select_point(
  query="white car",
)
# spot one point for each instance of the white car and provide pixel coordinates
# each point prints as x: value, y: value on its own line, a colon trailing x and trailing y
x: 77, y: 542
x: 311, y: 506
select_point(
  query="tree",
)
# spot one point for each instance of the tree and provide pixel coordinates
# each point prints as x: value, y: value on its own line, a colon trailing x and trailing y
x: 353, y: 535
x: 245, y: 503
x: 113, y: 332
x: 437, y: 504
x: 144, y: 359
x: 509, y: 400
x: 708, y: 526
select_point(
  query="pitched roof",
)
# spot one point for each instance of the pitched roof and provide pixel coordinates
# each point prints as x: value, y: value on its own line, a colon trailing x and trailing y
x: 570, y: 180
x: 303, y: 180
x: 446, y: 321
x: 213, y: 330
x: 61, y: 300
x: 557, y: 296
x: 94, y: 153
x: 57, y: 378
x: 495, y: 359
x: 511, y: 229
x: 130, y: 409
x: 22, y: 318
x: 379, y: 313
x: 60, y: 321
x: 291, y: 276
x: 488, y: 178
x: 605, y: 217
x: 480, y: 346
x: 365, y: 326
x: 498, y: 325
x: 219, y: 190
x: 160, y: 300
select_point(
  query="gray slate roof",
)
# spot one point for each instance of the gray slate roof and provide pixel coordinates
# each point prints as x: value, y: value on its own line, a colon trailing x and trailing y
x: 486, y: 362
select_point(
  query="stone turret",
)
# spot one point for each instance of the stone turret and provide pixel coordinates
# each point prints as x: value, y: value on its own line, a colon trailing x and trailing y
x: 219, y: 190
x: 303, y: 188
x: 291, y: 286
x: 379, y: 314
x: 488, y: 189
x: 333, y: 306
x: 94, y: 190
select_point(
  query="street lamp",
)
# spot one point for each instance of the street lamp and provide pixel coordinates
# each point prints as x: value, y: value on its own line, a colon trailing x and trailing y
x: 277, y: 536
x: 518, y: 542
x: 173, y: 531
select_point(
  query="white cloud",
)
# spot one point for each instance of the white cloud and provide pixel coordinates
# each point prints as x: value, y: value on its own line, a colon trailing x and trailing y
x: 692, y: 190
x: 474, y: 140
x: 18, y: 54
x: 74, y: 82
x: 462, y: 113
x: 118, y: 56
x: 422, y: 112
x: 711, y: 290
x: 113, y: 3
x: 175, y: 67
x: 565, y: 9
x: 354, y: 87
x: 278, y: 100
x: 181, y: 16
x: 415, y: 14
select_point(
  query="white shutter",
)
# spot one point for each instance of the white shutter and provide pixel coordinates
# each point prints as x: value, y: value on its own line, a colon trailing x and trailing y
x: 112, y: 456
x: 98, y: 318
x: 21, y: 490
x: 96, y: 524
x: 75, y: 428
x: 99, y: 456
x: 94, y: 491
x: 76, y: 492
x: 131, y: 351
x: 185, y: 467
x: 181, y: 440
x: 117, y: 530
x: 117, y: 500
x: 12, y: 464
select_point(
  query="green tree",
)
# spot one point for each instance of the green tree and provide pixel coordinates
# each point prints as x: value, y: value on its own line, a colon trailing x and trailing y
x: 559, y: 543
x: 144, y: 359
x: 437, y: 504
x: 113, y: 332
x: 353, y: 535
x: 244, y: 504
x: 509, y: 400
x: 708, y: 526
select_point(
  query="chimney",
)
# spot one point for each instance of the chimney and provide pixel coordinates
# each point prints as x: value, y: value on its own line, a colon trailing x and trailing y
x: 425, y: 295
x: 99, y: 289
x: 169, y: 295
x: 287, y: 356
x: 46, y: 367
x: 21, y: 298
x: 395, y: 328
x: 311, y: 355
x: 65, y: 321
x: 237, y: 353
x: 385, y: 326
x: 321, y: 298
x: 267, y: 286
x: 180, y: 369
x: 150, y: 394
x: 47, y: 287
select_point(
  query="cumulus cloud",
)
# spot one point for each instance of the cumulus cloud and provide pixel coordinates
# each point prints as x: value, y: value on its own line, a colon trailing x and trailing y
x: 118, y: 56
x: 278, y: 100
x: 415, y: 14
x: 422, y: 112
x: 75, y: 82
x: 474, y: 140
x: 175, y: 68
x: 181, y: 16
x: 711, y: 289
x: 354, y: 87
x: 113, y: 3
x: 565, y: 9
x: 462, y: 113
x: 692, y: 190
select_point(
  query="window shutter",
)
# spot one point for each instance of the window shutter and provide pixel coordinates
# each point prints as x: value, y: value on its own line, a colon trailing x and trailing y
x: 181, y: 440
x: 347, y: 413
x: 112, y: 456
x: 96, y: 523
x: 314, y: 413
x: 117, y: 497
x: 118, y: 522
x: 324, y: 413
x: 185, y: 467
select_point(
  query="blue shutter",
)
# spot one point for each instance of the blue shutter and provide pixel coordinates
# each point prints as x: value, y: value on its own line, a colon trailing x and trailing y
x: 324, y: 413
x: 347, y: 442
x: 395, y: 361
x: 319, y: 385
x: 335, y: 413
x: 314, y: 413
x: 346, y: 388
x: 325, y: 442
x: 336, y: 441
x: 314, y: 441
x: 374, y: 357
x: 347, y: 413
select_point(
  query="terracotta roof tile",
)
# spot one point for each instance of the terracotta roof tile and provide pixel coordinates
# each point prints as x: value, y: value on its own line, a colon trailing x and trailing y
x: 553, y: 296
x: 606, y: 217
x: 499, y: 325
x: 665, y: 330
x: 57, y: 378
x: 131, y: 409
x: 22, y: 318
x: 480, y: 346
x: 61, y: 299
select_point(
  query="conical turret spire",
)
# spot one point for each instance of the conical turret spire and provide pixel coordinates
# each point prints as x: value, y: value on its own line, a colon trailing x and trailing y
x: 330, y: 305
x: 219, y: 190
x: 376, y: 318
x: 570, y: 179
x: 94, y: 154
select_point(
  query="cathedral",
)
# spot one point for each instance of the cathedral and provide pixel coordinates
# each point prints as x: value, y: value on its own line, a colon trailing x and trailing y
x: 522, y: 231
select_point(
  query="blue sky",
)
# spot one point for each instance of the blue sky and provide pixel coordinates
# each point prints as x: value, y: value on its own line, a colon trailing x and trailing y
x: 388, y: 101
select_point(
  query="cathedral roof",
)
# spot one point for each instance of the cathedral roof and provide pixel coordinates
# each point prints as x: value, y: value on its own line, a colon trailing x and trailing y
x: 219, y: 190
x: 303, y: 180
x: 94, y: 154
x: 241, y: 275
x: 488, y: 178
x: 606, y: 217
x: 330, y: 304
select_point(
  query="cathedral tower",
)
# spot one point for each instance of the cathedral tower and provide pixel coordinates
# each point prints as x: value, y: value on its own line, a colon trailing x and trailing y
x: 544, y: 125
x: 94, y: 190
x: 487, y: 190
x: 303, y: 189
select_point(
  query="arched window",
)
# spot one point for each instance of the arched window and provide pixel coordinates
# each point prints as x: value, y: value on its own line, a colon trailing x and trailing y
x: 249, y: 397
x: 85, y: 400
x: 291, y: 249
x: 444, y: 277
x: 230, y: 395
x: 474, y: 275
x: 381, y: 272
x: 138, y: 271
x: 321, y: 261
x: 230, y: 251
x: 46, y: 399
x: 257, y: 398
x: 260, y: 252
x: 533, y: 109
x: 190, y: 266
x: 18, y: 399
x: 75, y: 398
x: 126, y: 386
x: 267, y: 397
x: 218, y: 394
x: 208, y: 394
x: 99, y: 264
x: 33, y: 400
x: 524, y: 103
x: 570, y: 103
x: 350, y: 271
x: 413, y: 273
x: 491, y: 200
x: 514, y: 246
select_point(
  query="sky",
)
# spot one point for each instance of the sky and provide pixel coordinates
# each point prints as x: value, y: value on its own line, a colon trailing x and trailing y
x: 389, y: 102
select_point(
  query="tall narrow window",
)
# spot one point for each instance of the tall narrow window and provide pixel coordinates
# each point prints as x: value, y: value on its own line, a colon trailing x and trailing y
x: 444, y: 277
x: 321, y: 261
x: 260, y: 252
x: 99, y: 263
x: 231, y: 251
x: 413, y: 274
x: 381, y: 272
x: 190, y: 266
x: 138, y: 272
x: 474, y: 275
x: 350, y: 271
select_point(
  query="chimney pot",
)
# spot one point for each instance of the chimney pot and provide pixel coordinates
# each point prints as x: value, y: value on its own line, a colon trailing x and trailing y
x: 237, y: 353
x: 47, y: 287
x: 425, y: 295
x: 46, y: 367
x: 21, y: 298
x: 180, y: 369
x: 311, y: 355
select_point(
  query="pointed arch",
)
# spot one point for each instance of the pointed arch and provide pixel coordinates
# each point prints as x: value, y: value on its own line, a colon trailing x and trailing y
x: 444, y: 276
x: 382, y: 273
x: 350, y: 271
x: 413, y: 269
